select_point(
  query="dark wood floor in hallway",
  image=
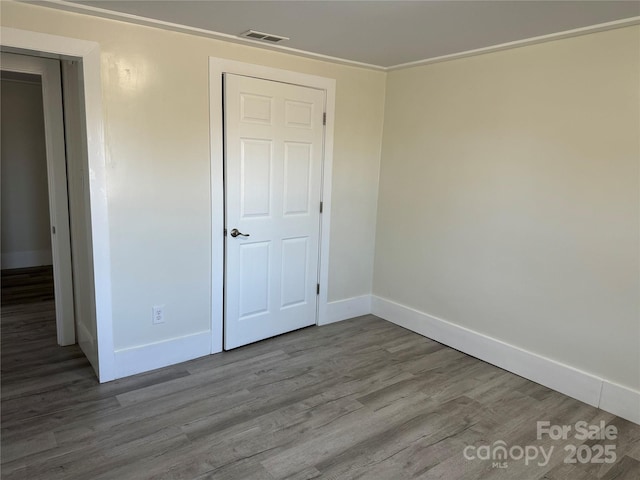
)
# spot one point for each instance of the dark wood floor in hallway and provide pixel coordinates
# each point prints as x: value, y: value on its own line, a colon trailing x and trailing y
x: 359, y: 399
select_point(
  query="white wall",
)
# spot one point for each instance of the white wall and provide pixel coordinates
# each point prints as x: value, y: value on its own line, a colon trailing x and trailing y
x: 156, y: 113
x: 26, y: 239
x: 509, y: 199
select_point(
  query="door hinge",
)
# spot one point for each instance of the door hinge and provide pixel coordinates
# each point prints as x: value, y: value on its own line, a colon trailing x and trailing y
x: 324, y: 118
x: 321, y: 204
x: 225, y: 232
x: 53, y: 230
x: 317, y: 289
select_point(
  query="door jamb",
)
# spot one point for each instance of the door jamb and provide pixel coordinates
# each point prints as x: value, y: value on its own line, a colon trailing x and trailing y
x: 24, y: 41
x: 218, y: 66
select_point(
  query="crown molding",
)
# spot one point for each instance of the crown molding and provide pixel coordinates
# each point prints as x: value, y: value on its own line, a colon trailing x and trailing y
x: 600, y: 27
x: 175, y: 27
x: 201, y: 32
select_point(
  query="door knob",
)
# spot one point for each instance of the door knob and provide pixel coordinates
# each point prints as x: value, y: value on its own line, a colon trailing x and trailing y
x: 236, y: 233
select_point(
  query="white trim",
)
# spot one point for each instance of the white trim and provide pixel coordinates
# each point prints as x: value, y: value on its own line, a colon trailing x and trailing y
x: 143, y: 358
x: 20, y: 40
x: 600, y: 27
x: 218, y: 66
x: 621, y: 401
x: 175, y: 27
x: 26, y: 259
x: 563, y: 378
x: 348, y: 308
x: 201, y: 32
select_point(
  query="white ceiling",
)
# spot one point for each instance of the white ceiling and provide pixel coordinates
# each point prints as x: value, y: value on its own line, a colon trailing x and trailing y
x: 381, y: 33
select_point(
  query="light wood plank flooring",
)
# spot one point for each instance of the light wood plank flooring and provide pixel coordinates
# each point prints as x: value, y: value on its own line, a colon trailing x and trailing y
x: 357, y: 399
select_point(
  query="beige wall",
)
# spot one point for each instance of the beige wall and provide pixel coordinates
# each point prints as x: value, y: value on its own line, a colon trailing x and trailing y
x: 509, y: 198
x: 156, y: 107
x: 26, y: 240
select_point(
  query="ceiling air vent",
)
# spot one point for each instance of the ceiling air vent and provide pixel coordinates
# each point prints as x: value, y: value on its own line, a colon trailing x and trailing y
x: 265, y: 37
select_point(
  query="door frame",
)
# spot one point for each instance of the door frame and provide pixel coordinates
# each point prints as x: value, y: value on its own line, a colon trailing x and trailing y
x: 15, y: 40
x: 51, y: 84
x: 217, y: 67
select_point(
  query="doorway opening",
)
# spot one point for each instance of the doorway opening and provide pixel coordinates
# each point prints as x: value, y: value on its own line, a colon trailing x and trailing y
x: 95, y: 337
x: 27, y: 263
x: 46, y: 242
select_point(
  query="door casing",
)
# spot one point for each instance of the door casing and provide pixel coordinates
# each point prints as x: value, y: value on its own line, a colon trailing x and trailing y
x: 217, y: 67
x: 16, y: 40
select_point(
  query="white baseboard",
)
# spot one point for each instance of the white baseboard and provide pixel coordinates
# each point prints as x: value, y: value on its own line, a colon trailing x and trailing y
x: 348, y: 308
x: 565, y: 379
x: 26, y: 259
x: 143, y: 358
x: 622, y: 401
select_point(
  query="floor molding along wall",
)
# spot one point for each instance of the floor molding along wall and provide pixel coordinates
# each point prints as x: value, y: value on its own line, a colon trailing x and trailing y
x: 130, y: 361
x: 620, y: 400
x: 347, y: 308
x: 586, y: 387
x: 26, y: 258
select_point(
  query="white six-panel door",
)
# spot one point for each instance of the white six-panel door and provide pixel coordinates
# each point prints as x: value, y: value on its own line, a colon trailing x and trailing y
x: 273, y: 167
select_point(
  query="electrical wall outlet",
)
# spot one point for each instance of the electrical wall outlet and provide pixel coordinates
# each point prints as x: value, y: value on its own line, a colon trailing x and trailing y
x: 158, y: 314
